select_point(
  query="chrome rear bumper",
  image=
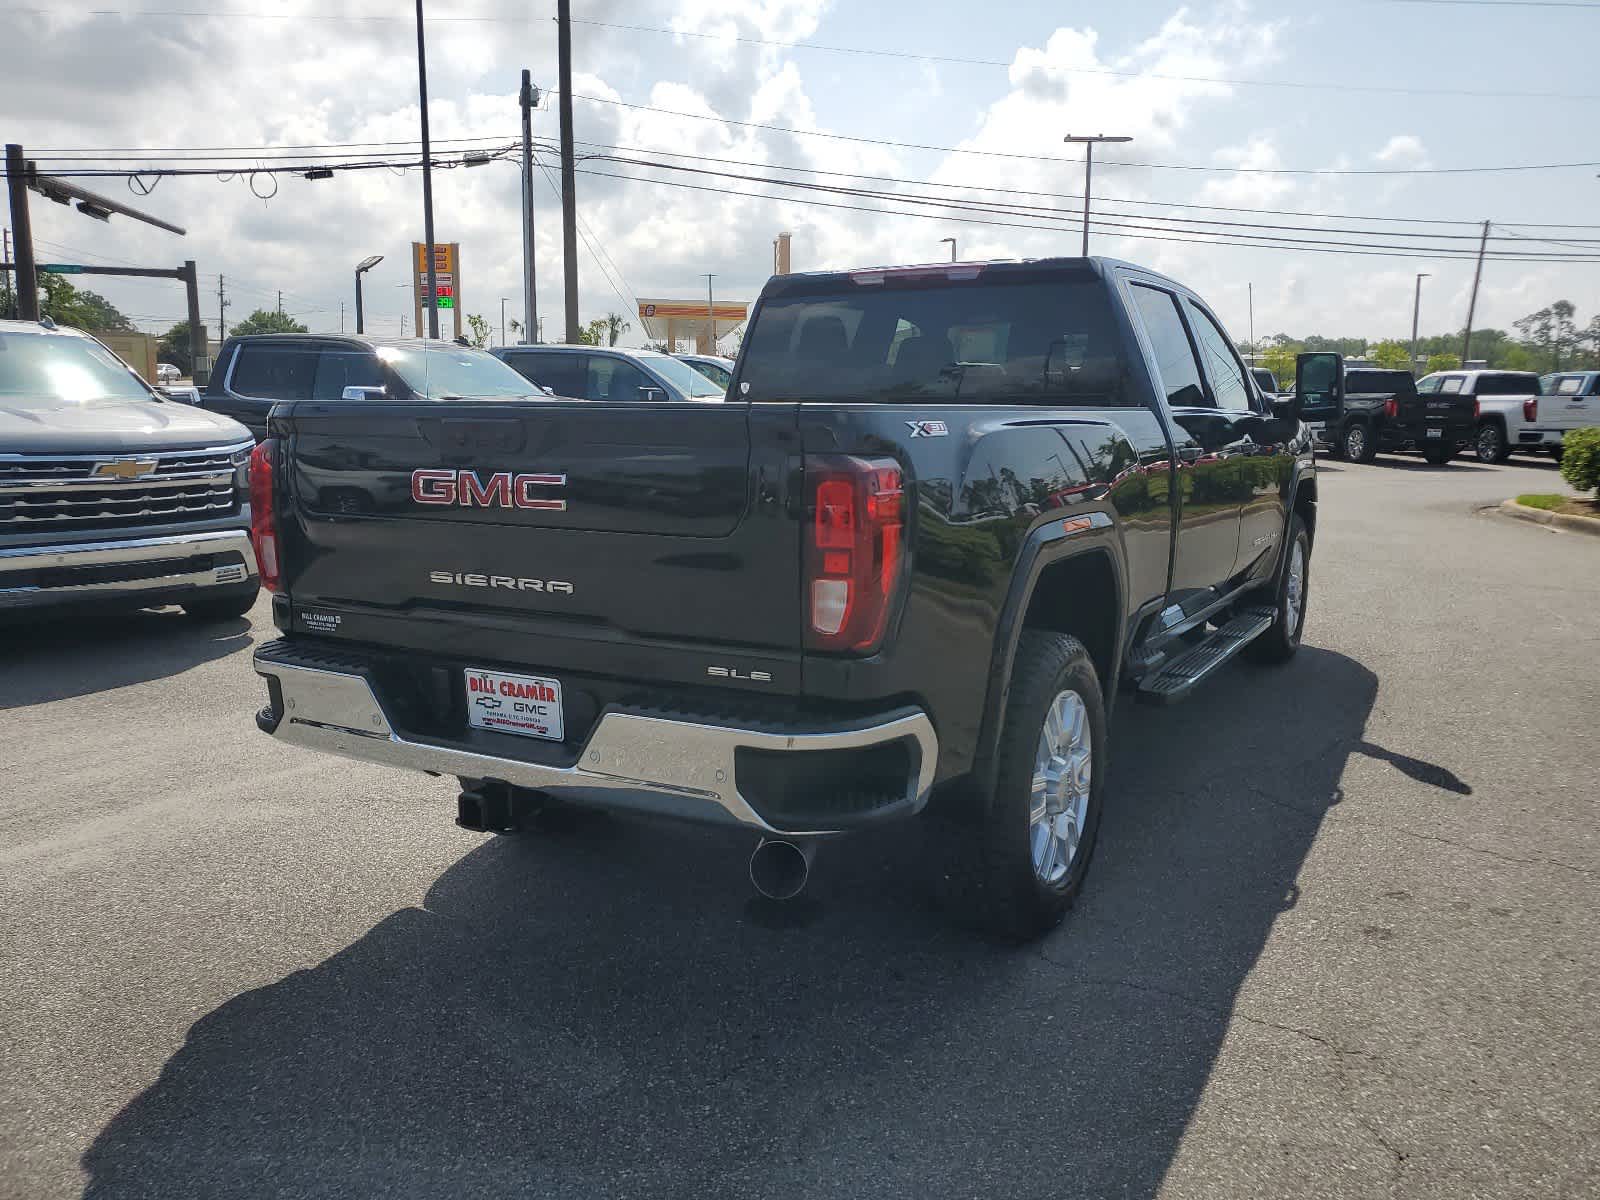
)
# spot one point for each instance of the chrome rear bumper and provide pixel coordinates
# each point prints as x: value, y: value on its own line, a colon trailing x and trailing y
x: 629, y: 760
x: 132, y: 568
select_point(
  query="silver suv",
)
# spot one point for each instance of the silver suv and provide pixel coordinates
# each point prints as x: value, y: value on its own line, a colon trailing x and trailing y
x: 609, y: 373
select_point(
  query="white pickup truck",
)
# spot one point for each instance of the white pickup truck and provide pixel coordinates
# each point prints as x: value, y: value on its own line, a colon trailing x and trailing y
x: 1516, y: 410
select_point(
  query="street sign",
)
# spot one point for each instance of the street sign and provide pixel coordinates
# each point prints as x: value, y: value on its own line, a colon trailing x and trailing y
x: 446, y: 278
x: 61, y: 268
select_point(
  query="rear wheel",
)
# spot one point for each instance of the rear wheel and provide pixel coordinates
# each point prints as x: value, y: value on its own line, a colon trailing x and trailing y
x: 1041, y: 822
x: 1356, y: 443
x: 1279, y: 643
x: 1490, y: 444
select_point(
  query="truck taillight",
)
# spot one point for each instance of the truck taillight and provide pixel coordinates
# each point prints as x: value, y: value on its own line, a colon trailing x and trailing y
x: 854, y: 550
x: 263, y: 519
x: 1477, y: 409
x: 1530, y: 409
x: 1391, y: 408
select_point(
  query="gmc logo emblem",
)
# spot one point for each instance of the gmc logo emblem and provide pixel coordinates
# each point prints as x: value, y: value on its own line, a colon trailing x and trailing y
x: 501, y: 490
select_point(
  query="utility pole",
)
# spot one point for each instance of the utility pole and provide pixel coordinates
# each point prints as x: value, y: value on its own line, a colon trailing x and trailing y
x: 402, y: 324
x: 280, y: 303
x: 1250, y: 292
x: 529, y: 97
x: 503, y: 300
x: 199, y: 360
x: 341, y: 316
x: 1472, y: 305
x: 1416, y: 311
x: 569, y: 175
x: 952, y: 242
x: 711, y: 318
x: 5, y: 257
x: 22, y: 226
x: 431, y: 299
x: 222, y: 311
x: 1088, y: 143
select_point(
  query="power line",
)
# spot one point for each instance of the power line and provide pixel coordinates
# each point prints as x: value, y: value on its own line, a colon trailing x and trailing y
x: 583, y: 232
x: 1196, y: 237
x: 953, y: 59
x: 844, y: 137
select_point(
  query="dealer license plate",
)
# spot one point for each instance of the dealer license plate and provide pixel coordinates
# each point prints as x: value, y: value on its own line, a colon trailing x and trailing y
x: 529, y: 705
x: 1435, y: 433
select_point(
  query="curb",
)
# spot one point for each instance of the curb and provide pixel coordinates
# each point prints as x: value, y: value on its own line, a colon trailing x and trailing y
x: 1522, y: 512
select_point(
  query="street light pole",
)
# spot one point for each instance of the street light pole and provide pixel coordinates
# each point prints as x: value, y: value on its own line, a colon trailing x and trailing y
x: 432, y: 297
x: 503, y: 300
x: 362, y: 267
x: 952, y: 242
x: 711, y: 318
x: 528, y: 97
x: 1416, y: 311
x: 1087, y: 141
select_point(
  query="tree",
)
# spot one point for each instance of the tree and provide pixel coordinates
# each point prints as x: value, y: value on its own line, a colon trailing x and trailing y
x: 604, y: 331
x: 1279, y: 359
x: 174, y: 348
x: 265, y: 320
x: 1443, y: 362
x: 1391, y: 355
x: 67, y: 305
x: 1551, y: 333
x: 1517, y: 358
x: 480, y: 330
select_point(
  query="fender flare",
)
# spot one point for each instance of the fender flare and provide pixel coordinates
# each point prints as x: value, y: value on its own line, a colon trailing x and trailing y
x: 1047, y: 546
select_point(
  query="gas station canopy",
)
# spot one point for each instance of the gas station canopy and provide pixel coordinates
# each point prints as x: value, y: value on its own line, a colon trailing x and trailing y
x: 672, y: 321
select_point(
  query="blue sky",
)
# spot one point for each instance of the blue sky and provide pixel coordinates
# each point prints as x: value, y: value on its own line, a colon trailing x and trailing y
x: 123, y: 80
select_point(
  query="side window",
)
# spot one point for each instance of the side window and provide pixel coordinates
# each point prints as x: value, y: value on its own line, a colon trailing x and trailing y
x: 614, y: 379
x: 1222, y: 368
x: 1175, y: 362
x: 274, y: 372
x: 1428, y: 386
x: 1570, y: 386
x: 561, y: 373
x: 1451, y: 386
x: 339, y: 369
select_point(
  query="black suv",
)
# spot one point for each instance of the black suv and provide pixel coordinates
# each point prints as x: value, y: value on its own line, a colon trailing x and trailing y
x: 256, y: 371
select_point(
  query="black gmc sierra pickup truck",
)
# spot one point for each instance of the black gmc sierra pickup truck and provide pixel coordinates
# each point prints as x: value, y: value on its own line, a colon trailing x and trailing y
x: 943, y: 515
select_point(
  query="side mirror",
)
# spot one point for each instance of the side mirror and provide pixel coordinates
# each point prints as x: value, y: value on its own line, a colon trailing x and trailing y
x: 652, y: 393
x: 354, y: 392
x: 1288, y: 408
x: 1319, y: 380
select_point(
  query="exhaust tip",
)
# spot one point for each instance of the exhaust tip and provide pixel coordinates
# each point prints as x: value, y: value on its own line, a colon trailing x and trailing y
x: 779, y: 869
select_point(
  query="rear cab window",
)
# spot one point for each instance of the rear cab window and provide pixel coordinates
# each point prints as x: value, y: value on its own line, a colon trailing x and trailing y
x: 1451, y: 385
x: 1508, y: 385
x: 915, y: 337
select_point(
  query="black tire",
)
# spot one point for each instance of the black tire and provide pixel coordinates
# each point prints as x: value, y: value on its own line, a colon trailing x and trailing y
x: 1556, y: 455
x: 1490, y: 443
x: 1279, y: 643
x: 1016, y: 903
x: 1357, y: 443
x: 222, y: 605
x: 1438, y: 455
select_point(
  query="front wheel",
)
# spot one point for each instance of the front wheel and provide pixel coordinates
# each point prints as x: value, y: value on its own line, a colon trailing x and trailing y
x: 221, y: 606
x: 1279, y: 643
x: 1041, y: 822
x: 1490, y: 444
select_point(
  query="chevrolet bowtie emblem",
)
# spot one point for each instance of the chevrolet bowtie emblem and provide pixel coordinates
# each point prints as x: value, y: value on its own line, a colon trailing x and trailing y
x: 124, y: 468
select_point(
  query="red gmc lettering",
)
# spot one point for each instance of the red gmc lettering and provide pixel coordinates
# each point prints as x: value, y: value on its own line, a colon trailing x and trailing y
x: 498, y: 490
x: 523, y: 490
x: 433, y: 487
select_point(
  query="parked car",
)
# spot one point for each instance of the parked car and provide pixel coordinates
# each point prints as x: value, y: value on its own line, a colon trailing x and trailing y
x: 256, y: 371
x: 1507, y: 408
x: 1512, y: 417
x: 941, y: 528
x: 715, y: 368
x: 1358, y: 411
x: 167, y: 373
x: 1265, y: 380
x: 111, y: 494
x: 610, y: 373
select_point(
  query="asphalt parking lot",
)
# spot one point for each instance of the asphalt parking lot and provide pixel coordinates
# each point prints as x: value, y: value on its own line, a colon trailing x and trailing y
x: 1341, y: 936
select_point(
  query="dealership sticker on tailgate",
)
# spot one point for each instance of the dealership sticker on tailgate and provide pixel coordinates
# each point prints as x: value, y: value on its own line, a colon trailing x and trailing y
x: 529, y: 705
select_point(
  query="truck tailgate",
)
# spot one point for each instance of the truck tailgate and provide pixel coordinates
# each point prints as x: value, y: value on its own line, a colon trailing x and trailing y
x: 495, y: 531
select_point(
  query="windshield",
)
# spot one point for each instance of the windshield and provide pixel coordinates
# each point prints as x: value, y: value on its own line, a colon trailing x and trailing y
x: 456, y: 373
x: 682, y: 376
x: 912, y: 341
x: 73, y: 369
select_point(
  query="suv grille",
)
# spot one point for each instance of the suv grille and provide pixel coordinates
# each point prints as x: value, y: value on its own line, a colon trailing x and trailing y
x: 51, y: 494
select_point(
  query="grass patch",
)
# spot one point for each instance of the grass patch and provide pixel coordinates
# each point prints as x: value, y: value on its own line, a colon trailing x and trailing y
x: 1571, y: 506
x: 1545, y: 501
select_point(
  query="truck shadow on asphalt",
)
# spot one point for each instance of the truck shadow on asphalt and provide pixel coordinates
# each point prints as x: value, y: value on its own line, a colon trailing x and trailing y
x: 58, y: 659
x: 596, y: 1013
